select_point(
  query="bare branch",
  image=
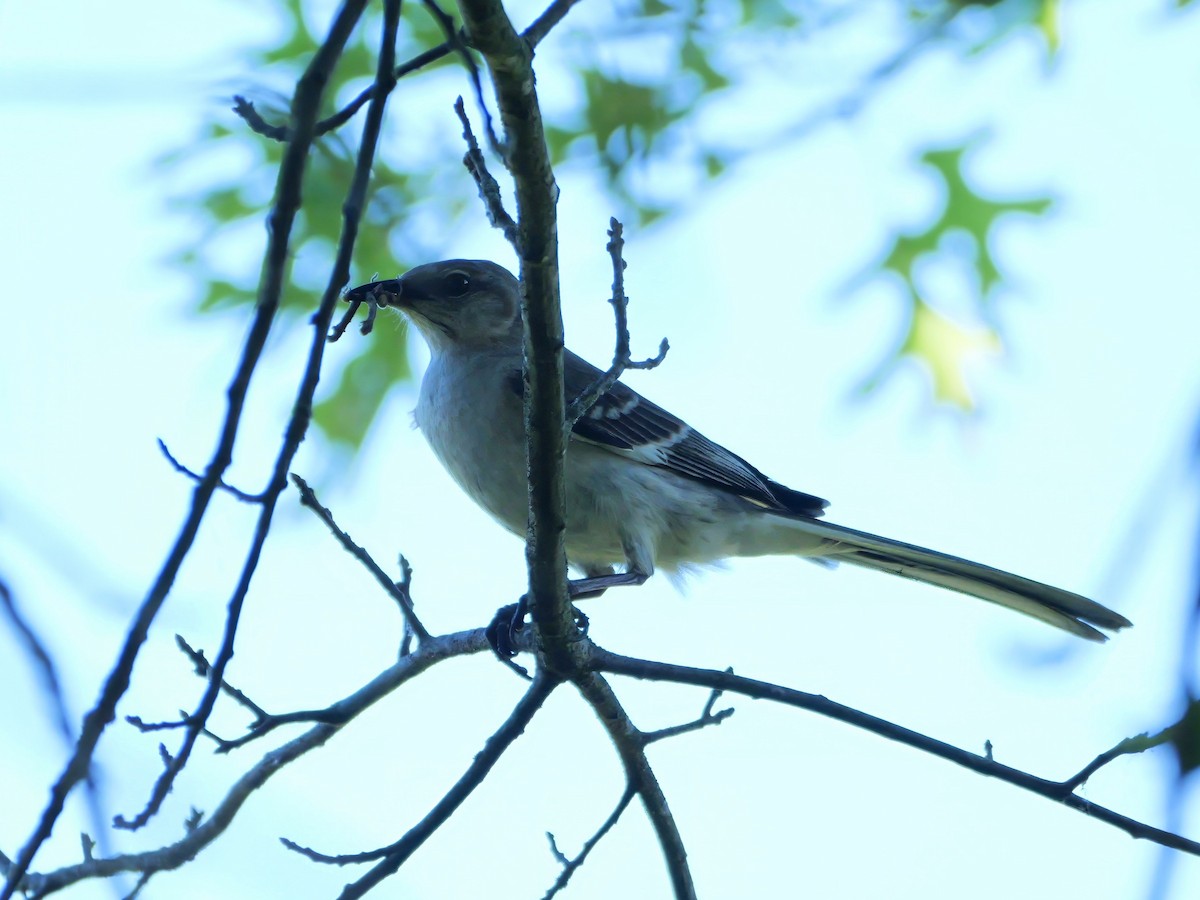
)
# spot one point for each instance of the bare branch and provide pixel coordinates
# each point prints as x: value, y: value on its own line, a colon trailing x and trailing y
x: 302, y: 408
x: 541, y: 26
x: 200, y: 831
x: 179, y: 467
x: 534, y: 35
x: 1061, y: 792
x: 203, y: 669
x: 245, y: 109
x: 850, y: 104
x: 489, y: 188
x: 43, y: 663
x: 398, y: 591
x: 47, y: 674
x: 707, y: 717
x: 570, y: 865
x: 622, y: 361
x: 394, y: 856
x: 632, y: 750
x: 1137, y: 744
x: 454, y: 39
x: 304, y: 111
x: 509, y: 58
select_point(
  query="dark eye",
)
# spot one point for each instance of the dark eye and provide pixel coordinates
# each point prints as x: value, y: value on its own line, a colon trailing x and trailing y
x: 456, y: 284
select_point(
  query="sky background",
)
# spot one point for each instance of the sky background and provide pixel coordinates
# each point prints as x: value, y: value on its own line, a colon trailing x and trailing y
x: 1075, y: 471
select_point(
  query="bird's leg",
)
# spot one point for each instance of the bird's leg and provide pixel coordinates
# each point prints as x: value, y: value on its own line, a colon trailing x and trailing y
x: 509, y: 620
x: 595, y: 585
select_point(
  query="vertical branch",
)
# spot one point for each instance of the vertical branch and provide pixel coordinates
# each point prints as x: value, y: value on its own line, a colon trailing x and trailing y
x: 309, y: 92
x: 509, y: 58
x: 631, y: 745
x: 301, y: 411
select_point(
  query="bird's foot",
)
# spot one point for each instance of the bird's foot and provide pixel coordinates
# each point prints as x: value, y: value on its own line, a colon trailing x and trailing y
x: 581, y: 621
x: 505, y: 626
x: 503, y: 632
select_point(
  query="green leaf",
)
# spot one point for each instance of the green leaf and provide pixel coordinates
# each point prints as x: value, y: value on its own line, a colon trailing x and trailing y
x: 346, y: 414
x: 615, y: 107
x: 650, y: 8
x: 768, y: 14
x: 693, y: 58
x: 1046, y: 21
x: 942, y: 345
x: 944, y: 348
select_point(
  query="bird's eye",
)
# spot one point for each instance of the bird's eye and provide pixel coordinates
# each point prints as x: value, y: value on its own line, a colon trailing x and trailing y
x: 456, y: 284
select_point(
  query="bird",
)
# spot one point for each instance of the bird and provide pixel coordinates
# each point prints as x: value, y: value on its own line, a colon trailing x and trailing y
x: 644, y: 490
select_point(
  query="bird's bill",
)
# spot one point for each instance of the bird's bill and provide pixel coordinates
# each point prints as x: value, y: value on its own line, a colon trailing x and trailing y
x: 381, y: 293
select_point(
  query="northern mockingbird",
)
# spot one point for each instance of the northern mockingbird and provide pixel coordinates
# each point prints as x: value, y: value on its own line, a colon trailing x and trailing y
x: 643, y: 488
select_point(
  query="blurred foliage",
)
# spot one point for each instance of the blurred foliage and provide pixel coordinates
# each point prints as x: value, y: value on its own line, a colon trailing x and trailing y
x: 639, y: 77
x: 941, y: 344
x: 1184, y: 737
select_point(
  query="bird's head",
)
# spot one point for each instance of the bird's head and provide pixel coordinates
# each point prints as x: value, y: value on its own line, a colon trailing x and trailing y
x: 467, y: 304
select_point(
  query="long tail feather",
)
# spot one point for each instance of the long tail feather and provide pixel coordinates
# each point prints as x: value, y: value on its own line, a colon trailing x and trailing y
x: 1062, y: 609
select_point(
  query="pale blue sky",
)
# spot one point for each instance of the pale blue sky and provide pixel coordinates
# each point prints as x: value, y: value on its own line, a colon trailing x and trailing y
x: 1086, y: 419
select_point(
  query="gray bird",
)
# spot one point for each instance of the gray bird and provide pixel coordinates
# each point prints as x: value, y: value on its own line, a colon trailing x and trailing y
x: 643, y: 488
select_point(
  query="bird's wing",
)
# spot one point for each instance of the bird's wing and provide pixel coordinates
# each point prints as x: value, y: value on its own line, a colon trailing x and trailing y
x: 628, y: 424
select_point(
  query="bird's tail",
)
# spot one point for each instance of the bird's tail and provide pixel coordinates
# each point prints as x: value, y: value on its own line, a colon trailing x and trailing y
x: 1062, y: 609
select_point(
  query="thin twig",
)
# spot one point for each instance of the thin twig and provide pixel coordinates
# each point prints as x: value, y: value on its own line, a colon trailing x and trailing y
x: 1137, y: 744
x: 398, y: 592
x: 202, y: 831
x: 404, y: 586
x: 570, y: 865
x: 203, y: 669
x: 489, y: 188
x: 244, y: 496
x: 308, y: 95
x: 534, y: 35
x: 541, y: 26
x: 301, y: 415
x: 706, y: 718
x: 483, y: 763
x: 621, y: 354
x: 854, y: 101
x: 56, y: 701
x: 631, y: 748
x: 454, y: 39
x: 248, y: 114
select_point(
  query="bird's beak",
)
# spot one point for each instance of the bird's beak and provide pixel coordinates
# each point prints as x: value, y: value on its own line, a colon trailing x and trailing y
x: 381, y: 293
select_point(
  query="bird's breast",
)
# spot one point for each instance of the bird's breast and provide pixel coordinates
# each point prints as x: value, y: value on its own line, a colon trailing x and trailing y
x: 473, y: 423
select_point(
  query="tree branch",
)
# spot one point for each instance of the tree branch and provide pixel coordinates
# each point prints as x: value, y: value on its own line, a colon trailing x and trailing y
x: 309, y: 91
x: 301, y: 416
x: 632, y: 749
x: 570, y: 865
x: 309, y: 498
x: 534, y: 34
x: 542, y: 25
x: 489, y: 188
x: 202, y: 832
x: 622, y: 359
x: 395, y: 855
x: 706, y: 718
x: 1059, y: 791
x: 509, y: 58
